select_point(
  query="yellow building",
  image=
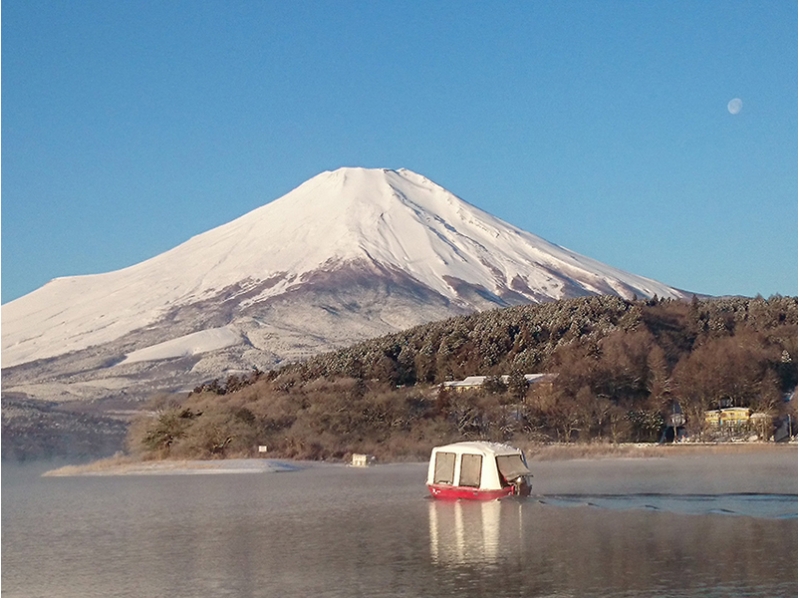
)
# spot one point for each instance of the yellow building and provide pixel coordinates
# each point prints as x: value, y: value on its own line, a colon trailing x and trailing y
x: 734, y: 416
x: 712, y: 417
x: 730, y: 416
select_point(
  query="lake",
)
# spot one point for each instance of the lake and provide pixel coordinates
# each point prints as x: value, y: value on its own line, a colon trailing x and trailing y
x: 613, y: 529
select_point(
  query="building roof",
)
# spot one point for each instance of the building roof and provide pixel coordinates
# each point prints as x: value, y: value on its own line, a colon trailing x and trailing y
x: 475, y: 381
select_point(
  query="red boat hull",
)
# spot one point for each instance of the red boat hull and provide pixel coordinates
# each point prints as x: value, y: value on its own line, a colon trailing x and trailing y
x: 447, y: 492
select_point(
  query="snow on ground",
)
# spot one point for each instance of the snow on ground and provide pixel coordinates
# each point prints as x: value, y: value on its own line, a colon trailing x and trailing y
x: 184, y: 346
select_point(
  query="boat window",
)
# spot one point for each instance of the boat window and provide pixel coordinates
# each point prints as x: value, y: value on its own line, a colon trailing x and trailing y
x: 445, y: 468
x: 511, y: 467
x: 471, y: 470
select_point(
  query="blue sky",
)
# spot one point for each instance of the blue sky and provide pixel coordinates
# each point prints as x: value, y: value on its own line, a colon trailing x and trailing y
x: 602, y: 126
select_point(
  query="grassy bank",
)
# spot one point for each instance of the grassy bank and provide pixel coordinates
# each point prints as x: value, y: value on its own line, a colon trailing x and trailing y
x: 554, y: 452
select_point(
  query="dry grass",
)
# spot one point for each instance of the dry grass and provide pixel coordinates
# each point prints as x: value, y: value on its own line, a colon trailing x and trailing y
x: 100, y: 466
x: 555, y: 452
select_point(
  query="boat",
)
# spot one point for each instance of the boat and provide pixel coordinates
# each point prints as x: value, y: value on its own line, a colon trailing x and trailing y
x: 478, y: 471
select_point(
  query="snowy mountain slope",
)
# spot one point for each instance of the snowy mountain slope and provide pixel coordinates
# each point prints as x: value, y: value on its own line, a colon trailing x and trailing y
x: 348, y: 254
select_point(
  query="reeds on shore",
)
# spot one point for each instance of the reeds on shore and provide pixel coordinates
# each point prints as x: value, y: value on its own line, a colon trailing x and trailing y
x: 566, y: 451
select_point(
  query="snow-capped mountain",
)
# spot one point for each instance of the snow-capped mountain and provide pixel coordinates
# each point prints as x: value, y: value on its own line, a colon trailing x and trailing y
x: 350, y: 254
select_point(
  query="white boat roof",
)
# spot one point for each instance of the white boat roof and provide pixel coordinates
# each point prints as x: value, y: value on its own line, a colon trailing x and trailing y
x: 488, y: 449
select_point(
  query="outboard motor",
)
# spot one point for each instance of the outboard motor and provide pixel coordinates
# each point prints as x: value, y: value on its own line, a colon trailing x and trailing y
x: 522, y: 486
x: 514, y: 472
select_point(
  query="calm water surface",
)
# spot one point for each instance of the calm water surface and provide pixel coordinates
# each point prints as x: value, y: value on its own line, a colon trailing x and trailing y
x: 339, y: 531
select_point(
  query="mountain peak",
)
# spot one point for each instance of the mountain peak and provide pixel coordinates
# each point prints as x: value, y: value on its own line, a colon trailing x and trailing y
x: 414, y: 237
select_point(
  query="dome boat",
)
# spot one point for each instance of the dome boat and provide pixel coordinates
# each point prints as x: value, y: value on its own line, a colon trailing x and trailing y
x: 478, y: 471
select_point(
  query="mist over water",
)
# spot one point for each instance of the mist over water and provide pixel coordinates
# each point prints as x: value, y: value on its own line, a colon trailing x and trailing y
x: 339, y: 531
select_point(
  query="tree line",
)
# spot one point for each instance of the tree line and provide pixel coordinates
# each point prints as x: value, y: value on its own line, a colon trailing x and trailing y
x: 618, y: 368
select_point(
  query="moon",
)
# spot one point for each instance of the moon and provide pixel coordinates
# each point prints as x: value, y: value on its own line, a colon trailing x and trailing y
x: 735, y: 106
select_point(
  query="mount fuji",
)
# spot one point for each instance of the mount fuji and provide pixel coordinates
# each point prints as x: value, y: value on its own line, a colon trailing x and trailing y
x: 348, y: 255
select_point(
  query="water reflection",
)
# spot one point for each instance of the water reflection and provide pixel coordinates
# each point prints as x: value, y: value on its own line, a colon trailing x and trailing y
x: 539, y: 547
x: 474, y: 532
x: 348, y: 533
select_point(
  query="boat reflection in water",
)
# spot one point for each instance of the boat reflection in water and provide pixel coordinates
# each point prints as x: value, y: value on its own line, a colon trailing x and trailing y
x: 474, y: 532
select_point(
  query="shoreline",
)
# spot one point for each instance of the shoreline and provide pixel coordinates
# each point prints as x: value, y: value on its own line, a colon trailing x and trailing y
x: 127, y: 466
x: 556, y: 452
x: 552, y: 453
